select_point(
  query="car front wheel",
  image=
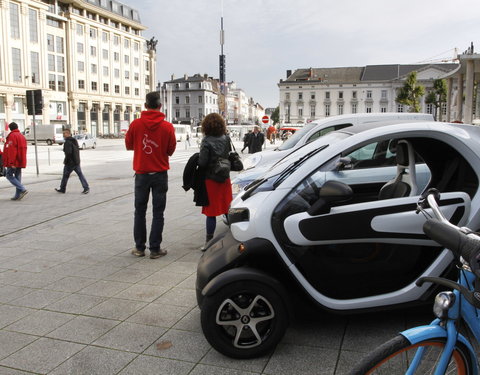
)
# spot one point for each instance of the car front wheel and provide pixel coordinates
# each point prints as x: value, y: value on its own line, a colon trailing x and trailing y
x: 244, y: 319
x: 84, y: 146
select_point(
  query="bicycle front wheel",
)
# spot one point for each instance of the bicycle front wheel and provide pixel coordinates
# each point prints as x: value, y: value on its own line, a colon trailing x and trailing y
x: 395, y: 357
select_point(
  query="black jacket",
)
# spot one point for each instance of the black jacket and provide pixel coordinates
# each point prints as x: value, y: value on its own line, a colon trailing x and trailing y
x: 255, y: 142
x: 194, y: 178
x: 211, y: 149
x: 72, y: 153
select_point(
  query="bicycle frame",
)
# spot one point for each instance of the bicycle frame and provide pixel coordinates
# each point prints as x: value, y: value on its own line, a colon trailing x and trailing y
x: 447, y: 329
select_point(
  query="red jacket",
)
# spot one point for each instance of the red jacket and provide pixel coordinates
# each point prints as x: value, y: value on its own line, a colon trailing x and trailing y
x: 15, y: 150
x: 152, y: 140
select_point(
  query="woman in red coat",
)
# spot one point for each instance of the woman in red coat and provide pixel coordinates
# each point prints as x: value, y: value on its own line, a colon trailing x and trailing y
x: 14, y: 159
x: 213, y: 159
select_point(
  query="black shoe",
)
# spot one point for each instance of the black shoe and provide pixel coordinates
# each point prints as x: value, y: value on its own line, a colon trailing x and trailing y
x: 86, y: 191
x: 60, y: 191
x: 22, y: 194
x: 138, y: 253
x: 158, y: 254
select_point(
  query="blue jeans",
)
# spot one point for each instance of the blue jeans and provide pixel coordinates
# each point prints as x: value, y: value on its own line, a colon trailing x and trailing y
x: 157, y: 183
x: 14, y: 175
x: 67, y: 171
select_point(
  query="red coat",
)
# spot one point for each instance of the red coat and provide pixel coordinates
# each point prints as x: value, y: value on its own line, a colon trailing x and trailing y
x: 152, y: 140
x: 15, y: 150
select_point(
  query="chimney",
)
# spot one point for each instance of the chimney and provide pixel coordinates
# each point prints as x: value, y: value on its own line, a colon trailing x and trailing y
x: 289, y: 73
x: 185, y: 77
x: 205, y: 76
x: 172, y: 77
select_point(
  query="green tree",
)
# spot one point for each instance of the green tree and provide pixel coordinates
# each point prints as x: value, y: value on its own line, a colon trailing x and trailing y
x: 437, y: 97
x: 276, y: 115
x: 411, y: 92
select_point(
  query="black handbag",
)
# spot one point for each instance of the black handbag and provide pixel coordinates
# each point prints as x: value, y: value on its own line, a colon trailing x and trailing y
x: 236, y: 164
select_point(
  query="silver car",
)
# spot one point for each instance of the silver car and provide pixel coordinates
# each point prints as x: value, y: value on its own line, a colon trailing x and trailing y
x: 86, y: 141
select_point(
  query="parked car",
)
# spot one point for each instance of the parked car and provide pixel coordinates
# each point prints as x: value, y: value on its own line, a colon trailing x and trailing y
x: 86, y: 141
x: 331, y: 225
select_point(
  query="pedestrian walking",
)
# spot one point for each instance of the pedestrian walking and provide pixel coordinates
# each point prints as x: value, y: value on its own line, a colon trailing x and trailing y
x: 15, y: 159
x: 213, y: 159
x: 71, y: 163
x: 246, y: 141
x: 256, y: 140
x: 152, y: 140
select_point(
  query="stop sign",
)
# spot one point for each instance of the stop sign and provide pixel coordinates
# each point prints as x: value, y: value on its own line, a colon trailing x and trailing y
x: 265, y: 119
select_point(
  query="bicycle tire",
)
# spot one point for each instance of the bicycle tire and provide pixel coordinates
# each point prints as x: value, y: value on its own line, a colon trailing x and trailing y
x: 393, y: 357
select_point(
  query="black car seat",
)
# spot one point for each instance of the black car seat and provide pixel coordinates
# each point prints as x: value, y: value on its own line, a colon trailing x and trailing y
x: 405, y: 182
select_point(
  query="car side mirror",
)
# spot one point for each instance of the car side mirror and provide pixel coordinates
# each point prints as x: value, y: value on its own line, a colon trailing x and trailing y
x: 330, y: 193
x: 344, y: 163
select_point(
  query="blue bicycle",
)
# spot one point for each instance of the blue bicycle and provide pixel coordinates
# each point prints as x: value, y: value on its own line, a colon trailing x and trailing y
x: 438, y: 348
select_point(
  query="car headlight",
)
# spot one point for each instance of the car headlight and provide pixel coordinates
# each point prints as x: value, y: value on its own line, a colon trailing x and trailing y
x: 252, y: 161
x: 443, y: 302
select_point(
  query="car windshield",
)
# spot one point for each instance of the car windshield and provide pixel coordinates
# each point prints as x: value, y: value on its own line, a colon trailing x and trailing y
x: 79, y: 136
x: 293, y: 140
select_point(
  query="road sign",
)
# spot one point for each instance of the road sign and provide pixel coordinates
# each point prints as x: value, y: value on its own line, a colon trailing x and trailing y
x: 265, y: 119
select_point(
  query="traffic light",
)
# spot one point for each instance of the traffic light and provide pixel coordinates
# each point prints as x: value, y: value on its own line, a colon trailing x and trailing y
x: 34, y: 102
x: 222, y: 68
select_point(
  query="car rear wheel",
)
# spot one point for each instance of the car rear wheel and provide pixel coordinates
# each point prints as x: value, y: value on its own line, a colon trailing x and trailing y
x: 244, y: 319
x: 49, y: 142
x: 84, y: 146
x: 94, y: 145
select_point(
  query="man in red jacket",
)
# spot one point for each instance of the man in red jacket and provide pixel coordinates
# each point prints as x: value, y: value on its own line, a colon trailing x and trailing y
x: 152, y: 140
x: 14, y: 159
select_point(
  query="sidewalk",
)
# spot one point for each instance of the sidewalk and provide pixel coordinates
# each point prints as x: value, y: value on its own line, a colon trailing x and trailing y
x: 73, y: 300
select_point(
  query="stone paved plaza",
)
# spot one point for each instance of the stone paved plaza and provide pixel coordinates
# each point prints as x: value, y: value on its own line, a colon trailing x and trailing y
x: 73, y: 300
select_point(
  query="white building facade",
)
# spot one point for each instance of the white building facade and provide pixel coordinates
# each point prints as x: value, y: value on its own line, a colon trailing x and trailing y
x: 242, y: 109
x: 88, y: 58
x: 309, y: 94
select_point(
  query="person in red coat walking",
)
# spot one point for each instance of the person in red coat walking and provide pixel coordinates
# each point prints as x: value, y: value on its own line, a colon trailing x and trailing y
x: 15, y: 159
x: 152, y: 140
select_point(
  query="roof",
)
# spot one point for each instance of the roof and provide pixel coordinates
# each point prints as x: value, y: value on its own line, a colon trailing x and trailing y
x: 334, y: 75
x: 117, y: 8
x: 194, y: 78
x: 394, y: 71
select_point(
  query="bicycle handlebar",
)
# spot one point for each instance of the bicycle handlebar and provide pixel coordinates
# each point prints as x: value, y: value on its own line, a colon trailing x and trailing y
x: 452, y: 238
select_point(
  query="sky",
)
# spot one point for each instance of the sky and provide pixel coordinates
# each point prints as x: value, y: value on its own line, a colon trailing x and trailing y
x: 265, y: 38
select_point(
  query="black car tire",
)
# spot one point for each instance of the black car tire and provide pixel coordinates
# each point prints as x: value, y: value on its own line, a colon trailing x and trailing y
x: 49, y: 142
x: 263, y: 302
x: 94, y: 145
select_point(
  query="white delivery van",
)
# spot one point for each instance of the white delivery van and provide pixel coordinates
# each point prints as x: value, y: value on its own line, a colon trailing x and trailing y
x: 181, y: 132
x: 45, y: 133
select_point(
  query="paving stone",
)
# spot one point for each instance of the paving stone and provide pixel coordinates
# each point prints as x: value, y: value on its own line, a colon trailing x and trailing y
x: 185, y: 346
x: 146, y: 365
x: 179, y: 297
x: 159, y: 315
x: 139, y: 292
x: 70, y: 284
x: 10, y: 371
x: 212, y: 370
x: 190, y: 322
x: 39, y: 298
x: 40, y: 322
x: 129, y: 275
x: 9, y: 292
x: 104, y: 288
x: 295, y: 359
x: 347, y: 360
x: 189, y: 282
x: 76, y: 303
x: 95, y: 361
x: 68, y: 269
x: 115, y: 308
x: 40, y: 280
x: 10, y: 342
x: 97, y: 271
x: 42, y: 355
x: 181, y: 267
x: 10, y: 314
x: 130, y: 337
x: 38, y: 265
x: 83, y: 329
x: 164, y: 279
x: 214, y: 358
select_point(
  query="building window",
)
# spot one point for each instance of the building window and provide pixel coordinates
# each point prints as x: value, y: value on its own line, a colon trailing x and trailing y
x: 287, y: 96
x: 80, y: 48
x: 354, y: 107
x: 369, y: 94
x: 340, y: 95
x: 16, y: 65
x: 105, y: 70
x: 50, y: 43
x: 200, y: 99
x: 33, y: 25
x: 135, y: 61
x: 300, y: 112
x: 103, y: 19
x: 147, y: 66
x: 312, y: 95
x: 51, y: 63
x: 340, y: 109
x: 400, y: 108
x: 79, y: 29
x: 444, y: 109
x: 127, y: 74
x: 76, y: 10
x: 429, y: 108
x: 137, y: 91
x: 177, y: 100
x: 105, y: 54
x: 127, y: 90
x: 14, y: 21
x: 300, y: 96
x: 136, y: 76
x: 54, y: 23
x: 105, y: 87
x: 116, y: 40
x: 312, y: 111
x: 94, y: 86
x: 59, y: 43
x: 116, y: 56
x: 127, y: 59
x: 136, y: 46
x: 354, y: 96
x: 93, y: 51
x: 51, y: 82
x: 60, y: 64
x: 383, y: 109
x: 61, y: 83
x: 368, y: 109
x: 116, y: 73
x: 177, y: 113
x: 126, y: 43
x: 327, y: 110
x: 187, y: 100
x: 384, y: 94
x: 327, y: 96
x: 93, y: 68
x: 35, y: 66
x: 117, y: 89
x: 80, y: 66
x: 147, y: 80
x: 81, y: 84
x: 104, y: 36
x: 93, y: 33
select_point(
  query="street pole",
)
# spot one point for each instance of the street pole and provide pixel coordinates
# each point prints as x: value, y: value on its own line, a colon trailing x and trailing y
x: 32, y: 102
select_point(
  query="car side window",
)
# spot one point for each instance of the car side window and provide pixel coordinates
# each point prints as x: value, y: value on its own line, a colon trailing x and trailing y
x: 373, y: 155
x: 322, y: 132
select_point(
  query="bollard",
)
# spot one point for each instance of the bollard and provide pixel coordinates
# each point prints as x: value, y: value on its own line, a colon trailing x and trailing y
x: 49, y: 156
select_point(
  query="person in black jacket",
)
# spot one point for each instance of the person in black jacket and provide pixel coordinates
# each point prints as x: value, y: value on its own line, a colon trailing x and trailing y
x: 256, y: 140
x: 72, y: 163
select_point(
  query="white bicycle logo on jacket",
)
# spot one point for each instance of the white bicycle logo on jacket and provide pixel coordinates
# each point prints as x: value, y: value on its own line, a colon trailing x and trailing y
x: 147, y: 148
